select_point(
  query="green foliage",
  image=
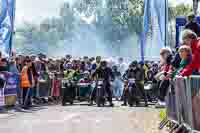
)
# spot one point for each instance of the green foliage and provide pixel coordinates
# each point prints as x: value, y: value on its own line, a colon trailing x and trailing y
x: 136, y: 7
x: 179, y: 10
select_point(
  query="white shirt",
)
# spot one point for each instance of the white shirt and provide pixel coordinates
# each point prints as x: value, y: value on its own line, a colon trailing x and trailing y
x: 122, y: 68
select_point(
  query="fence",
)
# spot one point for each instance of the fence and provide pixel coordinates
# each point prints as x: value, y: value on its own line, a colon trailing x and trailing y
x: 183, y: 102
x: 47, y: 85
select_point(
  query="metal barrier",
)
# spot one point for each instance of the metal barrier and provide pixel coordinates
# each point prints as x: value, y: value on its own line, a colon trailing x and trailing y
x: 183, y: 105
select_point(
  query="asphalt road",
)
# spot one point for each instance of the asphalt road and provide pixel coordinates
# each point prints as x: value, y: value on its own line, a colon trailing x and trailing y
x: 81, y: 119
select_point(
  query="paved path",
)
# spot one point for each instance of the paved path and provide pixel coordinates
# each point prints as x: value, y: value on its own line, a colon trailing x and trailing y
x: 81, y: 119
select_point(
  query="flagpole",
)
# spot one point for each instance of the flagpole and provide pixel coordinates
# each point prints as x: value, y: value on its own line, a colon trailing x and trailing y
x: 12, y: 32
x: 166, y: 21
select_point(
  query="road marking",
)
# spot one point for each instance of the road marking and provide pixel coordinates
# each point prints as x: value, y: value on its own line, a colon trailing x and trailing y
x: 4, y: 115
x: 98, y: 121
x: 76, y: 121
x: 66, y: 118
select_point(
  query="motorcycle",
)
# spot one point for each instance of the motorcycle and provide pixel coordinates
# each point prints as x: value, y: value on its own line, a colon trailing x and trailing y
x: 131, y: 91
x: 148, y: 87
x: 69, y: 88
x: 83, y: 90
x: 100, y: 93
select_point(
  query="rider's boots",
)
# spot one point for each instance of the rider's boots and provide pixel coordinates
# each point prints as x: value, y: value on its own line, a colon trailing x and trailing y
x: 91, y: 103
x: 111, y: 104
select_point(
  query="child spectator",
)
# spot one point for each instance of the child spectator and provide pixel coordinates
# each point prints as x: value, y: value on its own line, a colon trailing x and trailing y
x: 190, y: 39
x: 185, y: 53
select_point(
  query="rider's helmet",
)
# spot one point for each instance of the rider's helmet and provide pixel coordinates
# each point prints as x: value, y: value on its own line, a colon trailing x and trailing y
x: 114, y: 68
x: 134, y: 64
x: 103, y: 64
x: 98, y: 59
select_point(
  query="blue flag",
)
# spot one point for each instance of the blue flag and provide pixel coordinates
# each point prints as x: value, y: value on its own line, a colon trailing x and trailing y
x: 155, y: 27
x: 7, y: 14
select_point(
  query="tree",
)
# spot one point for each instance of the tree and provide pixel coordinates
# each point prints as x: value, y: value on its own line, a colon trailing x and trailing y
x: 135, y: 17
x: 195, y: 5
x: 136, y: 7
x: 175, y: 11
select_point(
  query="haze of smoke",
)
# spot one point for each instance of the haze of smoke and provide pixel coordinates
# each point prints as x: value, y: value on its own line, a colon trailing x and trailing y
x: 87, y: 41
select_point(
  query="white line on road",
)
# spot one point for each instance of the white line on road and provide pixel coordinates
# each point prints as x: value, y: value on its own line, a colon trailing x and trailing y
x: 66, y: 118
x: 55, y: 121
x: 98, y: 121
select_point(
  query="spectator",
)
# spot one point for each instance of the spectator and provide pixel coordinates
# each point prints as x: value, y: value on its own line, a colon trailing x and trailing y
x: 19, y: 64
x: 190, y: 39
x: 177, y: 59
x: 165, y: 55
x: 35, y: 76
x: 0, y: 55
x: 4, y: 66
x: 193, y: 25
x: 13, y: 66
x: 185, y: 53
x: 27, y: 82
x: 146, y: 68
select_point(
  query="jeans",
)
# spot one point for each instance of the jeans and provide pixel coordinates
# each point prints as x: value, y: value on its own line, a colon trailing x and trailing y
x: 164, y: 86
x: 117, y: 88
x: 26, y: 96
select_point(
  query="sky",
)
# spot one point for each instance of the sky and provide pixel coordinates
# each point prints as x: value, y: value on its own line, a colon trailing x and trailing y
x: 36, y: 10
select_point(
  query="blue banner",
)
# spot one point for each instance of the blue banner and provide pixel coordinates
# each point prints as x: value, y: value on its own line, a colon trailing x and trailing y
x: 155, y: 27
x: 7, y: 14
x: 12, y: 83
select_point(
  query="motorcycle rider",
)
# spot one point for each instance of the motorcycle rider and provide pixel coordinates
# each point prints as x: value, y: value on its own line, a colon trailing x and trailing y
x: 137, y: 73
x: 105, y: 73
x: 141, y: 79
x: 130, y: 73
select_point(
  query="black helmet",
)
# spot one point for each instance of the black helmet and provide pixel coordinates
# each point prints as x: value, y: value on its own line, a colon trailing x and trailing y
x: 68, y: 56
x: 134, y: 63
x: 103, y: 63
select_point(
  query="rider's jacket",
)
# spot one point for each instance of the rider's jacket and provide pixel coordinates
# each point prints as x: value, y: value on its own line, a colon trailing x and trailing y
x: 105, y: 74
x: 138, y: 74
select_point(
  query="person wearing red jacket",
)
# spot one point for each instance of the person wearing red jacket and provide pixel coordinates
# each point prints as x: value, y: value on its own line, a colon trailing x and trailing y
x: 189, y: 38
x: 163, y: 75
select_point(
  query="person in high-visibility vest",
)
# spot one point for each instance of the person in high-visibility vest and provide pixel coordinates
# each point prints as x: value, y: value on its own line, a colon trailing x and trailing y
x: 27, y: 82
